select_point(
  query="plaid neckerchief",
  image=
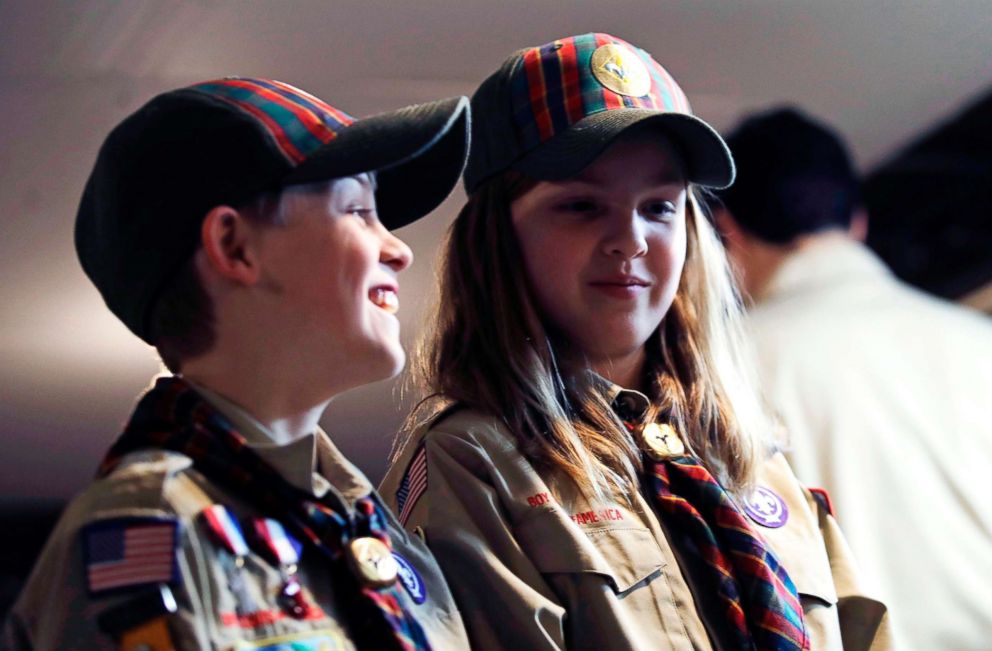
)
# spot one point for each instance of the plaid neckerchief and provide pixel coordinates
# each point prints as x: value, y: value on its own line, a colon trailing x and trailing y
x: 173, y: 416
x: 759, y: 600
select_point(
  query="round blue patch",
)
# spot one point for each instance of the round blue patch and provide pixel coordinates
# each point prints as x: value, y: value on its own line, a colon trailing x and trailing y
x: 411, y: 580
x: 766, y: 508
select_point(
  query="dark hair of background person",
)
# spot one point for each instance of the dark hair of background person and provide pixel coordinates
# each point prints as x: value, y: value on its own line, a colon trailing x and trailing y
x: 794, y: 177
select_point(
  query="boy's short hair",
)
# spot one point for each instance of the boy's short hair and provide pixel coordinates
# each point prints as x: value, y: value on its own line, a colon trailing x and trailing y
x: 227, y: 142
x: 182, y: 318
x: 794, y: 177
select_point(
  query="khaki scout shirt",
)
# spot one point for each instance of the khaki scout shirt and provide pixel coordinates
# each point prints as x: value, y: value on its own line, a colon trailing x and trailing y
x: 535, y: 565
x: 55, y: 612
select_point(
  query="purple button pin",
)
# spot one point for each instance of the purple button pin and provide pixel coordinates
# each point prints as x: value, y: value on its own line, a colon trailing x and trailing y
x: 766, y: 508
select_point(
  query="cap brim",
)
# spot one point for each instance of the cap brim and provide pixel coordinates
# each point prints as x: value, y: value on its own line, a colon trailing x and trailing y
x: 708, y: 160
x: 418, y: 153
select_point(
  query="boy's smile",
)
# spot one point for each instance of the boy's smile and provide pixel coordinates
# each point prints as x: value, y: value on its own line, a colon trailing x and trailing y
x: 331, y: 269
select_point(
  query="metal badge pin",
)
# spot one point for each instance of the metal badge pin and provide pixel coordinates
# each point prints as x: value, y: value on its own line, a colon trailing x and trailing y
x: 233, y: 567
x: 660, y: 441
x: 371, y: 561
x: 291, y: 599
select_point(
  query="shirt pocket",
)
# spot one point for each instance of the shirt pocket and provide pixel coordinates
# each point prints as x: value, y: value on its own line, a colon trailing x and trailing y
x: 626, y: 556
x: 805, y: 560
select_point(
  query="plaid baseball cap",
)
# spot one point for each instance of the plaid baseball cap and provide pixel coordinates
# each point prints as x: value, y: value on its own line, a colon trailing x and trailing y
x: 226, y: 141
x: 550, y: 110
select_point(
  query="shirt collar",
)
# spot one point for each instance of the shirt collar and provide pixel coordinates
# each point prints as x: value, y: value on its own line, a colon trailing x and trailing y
x: 348, y: 480
x: 628, y: 404
x: 296, y: 461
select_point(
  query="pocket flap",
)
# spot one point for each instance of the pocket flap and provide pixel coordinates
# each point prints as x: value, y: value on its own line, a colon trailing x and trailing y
x: 799, y: 544
x: 626, y: 556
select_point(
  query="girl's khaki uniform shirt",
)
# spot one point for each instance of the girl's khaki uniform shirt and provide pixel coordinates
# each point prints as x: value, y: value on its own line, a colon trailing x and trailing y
x: 535, y: 565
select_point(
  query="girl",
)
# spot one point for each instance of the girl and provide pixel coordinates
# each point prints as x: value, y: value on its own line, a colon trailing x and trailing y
x: 592, y: 468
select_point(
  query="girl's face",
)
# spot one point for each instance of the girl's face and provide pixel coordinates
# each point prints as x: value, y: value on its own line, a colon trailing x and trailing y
x: 604, y: 250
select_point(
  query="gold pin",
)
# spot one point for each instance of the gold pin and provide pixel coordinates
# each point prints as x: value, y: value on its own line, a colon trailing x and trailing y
x: 621, y: 70
x: 661, y: 441
x: 372, y: 562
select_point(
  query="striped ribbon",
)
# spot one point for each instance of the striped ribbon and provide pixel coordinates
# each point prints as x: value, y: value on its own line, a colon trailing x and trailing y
x: 298, y: 122
x: 172, y: 416
x: 760, y: 601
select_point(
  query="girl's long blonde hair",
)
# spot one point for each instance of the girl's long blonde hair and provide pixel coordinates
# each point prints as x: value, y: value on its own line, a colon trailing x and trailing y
x: 487, y: 348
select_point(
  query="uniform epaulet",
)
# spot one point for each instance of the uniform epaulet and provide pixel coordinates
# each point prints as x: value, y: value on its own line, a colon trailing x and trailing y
x: 145, y: 475
x: 413, y: 484
x: 822, y: 498
x: 415, y: 438
x: 442, y: 415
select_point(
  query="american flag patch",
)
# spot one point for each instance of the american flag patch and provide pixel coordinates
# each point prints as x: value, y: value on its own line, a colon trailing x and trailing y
x: 413, y: 485
x: 129, y: 552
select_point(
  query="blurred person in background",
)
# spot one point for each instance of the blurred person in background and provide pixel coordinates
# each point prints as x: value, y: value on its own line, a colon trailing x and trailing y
x: 883, y: 390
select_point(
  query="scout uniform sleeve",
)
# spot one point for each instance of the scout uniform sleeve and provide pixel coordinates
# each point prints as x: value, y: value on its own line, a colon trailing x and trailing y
x: 97, y: 560
x: 504, y: 600
x: 864, y: 622
x: 839, y: 612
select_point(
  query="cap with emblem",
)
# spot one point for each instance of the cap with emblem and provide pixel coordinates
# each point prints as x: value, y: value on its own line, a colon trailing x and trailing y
x: 226, y: 141
x: 549, y: 111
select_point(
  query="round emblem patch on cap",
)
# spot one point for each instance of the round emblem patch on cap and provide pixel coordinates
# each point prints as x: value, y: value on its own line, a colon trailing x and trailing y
x: 618, y: 68
x: 766, y: 508
x: 411, y: 580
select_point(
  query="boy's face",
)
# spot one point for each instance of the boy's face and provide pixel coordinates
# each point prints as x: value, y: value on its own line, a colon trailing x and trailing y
x: 329, y: 275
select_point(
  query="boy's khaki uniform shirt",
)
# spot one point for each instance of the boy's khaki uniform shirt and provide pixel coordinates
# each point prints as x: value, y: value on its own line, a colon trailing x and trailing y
x: 55, y: 610
x: 535, y: 565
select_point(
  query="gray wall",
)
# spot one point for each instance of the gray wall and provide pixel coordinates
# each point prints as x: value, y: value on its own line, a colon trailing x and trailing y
x: 881, y: 71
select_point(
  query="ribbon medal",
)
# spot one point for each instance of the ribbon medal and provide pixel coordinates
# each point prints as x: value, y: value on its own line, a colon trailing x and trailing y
x: 284, y: 550
x: 226, y: 532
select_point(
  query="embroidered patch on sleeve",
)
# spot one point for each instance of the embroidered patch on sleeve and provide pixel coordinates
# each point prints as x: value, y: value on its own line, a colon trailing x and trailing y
x: 413, y: 485
x: 130, y: 552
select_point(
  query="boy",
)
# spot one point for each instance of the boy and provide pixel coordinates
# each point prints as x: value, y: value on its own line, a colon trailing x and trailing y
x: 240, y: 226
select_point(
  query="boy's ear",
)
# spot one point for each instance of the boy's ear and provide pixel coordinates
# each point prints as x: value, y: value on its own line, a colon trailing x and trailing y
x: 728, y: 230
x: 228, y: 244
